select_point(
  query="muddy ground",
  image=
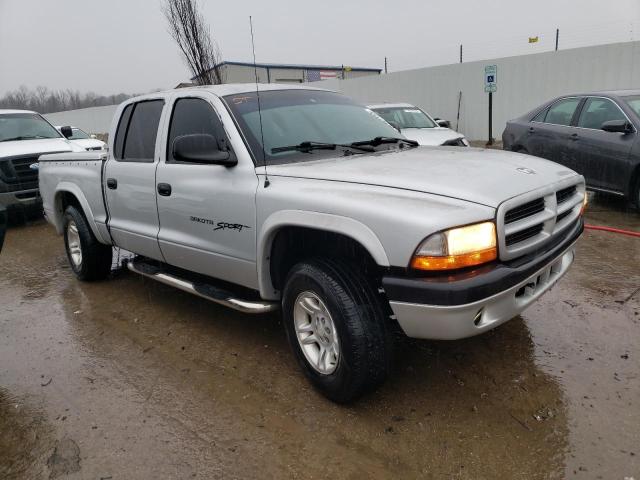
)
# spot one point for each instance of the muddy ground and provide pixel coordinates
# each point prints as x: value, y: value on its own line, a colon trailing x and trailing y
x: 129, y: 379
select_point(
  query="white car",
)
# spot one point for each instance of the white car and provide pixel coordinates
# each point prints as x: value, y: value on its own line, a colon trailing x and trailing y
x: 416, y: 124
x: 83, y: 139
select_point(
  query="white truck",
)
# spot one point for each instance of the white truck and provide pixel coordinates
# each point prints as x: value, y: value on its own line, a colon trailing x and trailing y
x: 24, y: 136
x: 299, y: 199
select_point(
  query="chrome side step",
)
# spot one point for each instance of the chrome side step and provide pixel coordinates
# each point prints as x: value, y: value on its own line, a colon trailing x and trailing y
x: 204, y: 290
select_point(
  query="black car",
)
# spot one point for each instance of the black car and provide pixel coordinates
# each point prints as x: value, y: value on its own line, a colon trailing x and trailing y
x: 3, y: 224
x: 595, y: 134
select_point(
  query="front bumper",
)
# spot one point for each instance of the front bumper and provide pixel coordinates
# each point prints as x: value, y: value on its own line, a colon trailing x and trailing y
x: 23, y: 199
x: 467, y: 304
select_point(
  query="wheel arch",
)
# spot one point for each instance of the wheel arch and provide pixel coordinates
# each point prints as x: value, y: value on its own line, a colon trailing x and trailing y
x: 335, y: 225
x: 70, y: 194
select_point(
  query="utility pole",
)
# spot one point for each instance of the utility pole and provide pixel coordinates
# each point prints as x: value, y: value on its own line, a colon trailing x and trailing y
x: 460, y: 53
x: 557, y: 37
x: 385, y: 65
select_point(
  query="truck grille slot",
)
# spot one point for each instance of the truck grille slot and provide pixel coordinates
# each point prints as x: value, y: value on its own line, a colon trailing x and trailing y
x: 523, y: 235
x: 565, y: 194
x: 563, y: 215
x: 525, y: 210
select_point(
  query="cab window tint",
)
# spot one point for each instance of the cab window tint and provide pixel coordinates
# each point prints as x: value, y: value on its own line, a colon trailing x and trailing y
x: 194, y: 116
x: 140, y: 140
x: 121, y: 132
x: 596, y: 111
x: 561, y: 112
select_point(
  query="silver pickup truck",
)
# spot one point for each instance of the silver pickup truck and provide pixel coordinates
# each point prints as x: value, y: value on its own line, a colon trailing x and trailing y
x: 299, y: 199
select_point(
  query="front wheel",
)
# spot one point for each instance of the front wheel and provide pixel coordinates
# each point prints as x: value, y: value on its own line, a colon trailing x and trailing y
x: 89, y: 259
x: 336, y: 328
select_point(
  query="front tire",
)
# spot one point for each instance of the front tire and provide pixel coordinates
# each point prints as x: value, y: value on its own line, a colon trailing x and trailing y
x: 336, y: 327
x: 89, y: 259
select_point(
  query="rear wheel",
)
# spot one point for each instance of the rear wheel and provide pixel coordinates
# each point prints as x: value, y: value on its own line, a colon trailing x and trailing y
x: 336, y: 328
x: 89, y: 259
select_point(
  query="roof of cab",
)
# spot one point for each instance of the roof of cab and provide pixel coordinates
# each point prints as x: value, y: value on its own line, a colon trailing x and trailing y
x: 391, y: 105
x: 228, y: 89
x: 4, y: 112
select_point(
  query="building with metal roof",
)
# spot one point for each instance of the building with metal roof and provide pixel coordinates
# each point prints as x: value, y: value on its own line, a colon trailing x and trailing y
x: 243, y: 72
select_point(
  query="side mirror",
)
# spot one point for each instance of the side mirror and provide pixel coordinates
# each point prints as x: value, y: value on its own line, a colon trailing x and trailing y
x: 618, y: 126
x: 394, y: 125
x: 201, y: 148
x: 66, y: 131
x: 443, y: 123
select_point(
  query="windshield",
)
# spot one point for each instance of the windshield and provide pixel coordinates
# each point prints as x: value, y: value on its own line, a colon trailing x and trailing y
x: 291, y: 117
x: 634, y: 102
x: 78, y: 134
x: 25, y: 126
x: 406, y: 117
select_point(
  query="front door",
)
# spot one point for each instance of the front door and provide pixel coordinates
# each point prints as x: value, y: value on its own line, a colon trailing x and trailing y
x: 602, y: 157
x: 130, y: 175
x: 556, y: 130
x: 207, y: 212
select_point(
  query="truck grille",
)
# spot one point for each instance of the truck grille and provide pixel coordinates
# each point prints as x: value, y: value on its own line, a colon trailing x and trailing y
x: 527, y: 222
x: 17, y: 174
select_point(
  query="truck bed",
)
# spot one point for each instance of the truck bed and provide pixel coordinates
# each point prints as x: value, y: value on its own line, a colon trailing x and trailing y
x: 80, y: 174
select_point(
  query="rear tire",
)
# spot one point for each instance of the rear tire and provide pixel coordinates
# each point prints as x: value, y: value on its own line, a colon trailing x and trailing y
x: 329, y: 306
x: 89, y: 259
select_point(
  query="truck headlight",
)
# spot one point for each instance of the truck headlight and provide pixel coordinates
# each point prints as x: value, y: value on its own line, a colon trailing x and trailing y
x: 457, y: 248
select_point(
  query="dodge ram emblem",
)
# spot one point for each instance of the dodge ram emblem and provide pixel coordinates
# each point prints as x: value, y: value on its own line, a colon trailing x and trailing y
x: 528, y: 171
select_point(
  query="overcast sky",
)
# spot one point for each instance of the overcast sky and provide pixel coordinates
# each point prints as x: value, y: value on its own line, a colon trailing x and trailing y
x: 112, y: 46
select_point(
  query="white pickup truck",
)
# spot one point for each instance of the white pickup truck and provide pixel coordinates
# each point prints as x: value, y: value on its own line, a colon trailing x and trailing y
x: 24, y: 136
x: 300, y: 199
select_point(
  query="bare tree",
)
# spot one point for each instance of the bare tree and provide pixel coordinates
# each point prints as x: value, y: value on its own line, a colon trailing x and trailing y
x: 190, y: 31
x: 44, y: 100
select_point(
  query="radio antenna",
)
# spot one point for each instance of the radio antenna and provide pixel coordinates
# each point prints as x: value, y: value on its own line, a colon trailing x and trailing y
x: 255, y: 71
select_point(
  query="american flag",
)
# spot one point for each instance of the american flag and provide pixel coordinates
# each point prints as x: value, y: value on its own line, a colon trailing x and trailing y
x: 317, y: 75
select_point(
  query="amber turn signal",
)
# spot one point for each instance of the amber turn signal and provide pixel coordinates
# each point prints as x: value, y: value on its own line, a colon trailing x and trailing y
x: 454, y: 261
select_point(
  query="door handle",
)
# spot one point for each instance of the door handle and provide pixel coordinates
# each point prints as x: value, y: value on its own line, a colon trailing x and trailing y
x: 574, y: 136
x: 164, y: 189
x: 531, y: 129
x: 112, y: 183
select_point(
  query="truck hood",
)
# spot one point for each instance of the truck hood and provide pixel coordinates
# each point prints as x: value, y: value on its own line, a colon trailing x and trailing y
x: 35, y: 147
x: 430, y: 136
x: 487, y: 177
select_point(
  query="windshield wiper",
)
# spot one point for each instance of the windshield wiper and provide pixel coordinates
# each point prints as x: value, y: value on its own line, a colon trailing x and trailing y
x: 23, y: 137
x: 307, y: 147
x: 376, y: 142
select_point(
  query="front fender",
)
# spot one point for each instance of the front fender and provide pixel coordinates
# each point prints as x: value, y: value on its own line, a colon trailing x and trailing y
x: 320, y: 221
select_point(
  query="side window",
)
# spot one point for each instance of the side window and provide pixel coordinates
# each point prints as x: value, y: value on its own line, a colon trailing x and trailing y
x: 596, y: 111
x: 140, y: 139
x: 540, y: 116
x: 121, y: 132
x: 194, y: 116
x: 561, y: 112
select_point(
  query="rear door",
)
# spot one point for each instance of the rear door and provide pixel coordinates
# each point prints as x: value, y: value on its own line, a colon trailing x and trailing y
x: 207, y: 212
x: 130, y: 175
x: 551, y: 132
x: 602, y: 157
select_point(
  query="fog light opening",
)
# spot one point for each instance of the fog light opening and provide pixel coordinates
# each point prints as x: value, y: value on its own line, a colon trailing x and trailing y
x: 478, y: 318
